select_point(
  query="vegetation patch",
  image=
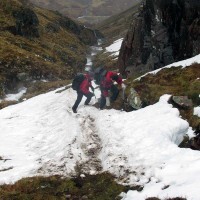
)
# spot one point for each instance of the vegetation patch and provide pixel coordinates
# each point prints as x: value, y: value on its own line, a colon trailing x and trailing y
x: 97, y: 187
x: 175, y: 81
x: 4, y: 104
x: 43, y: 87
x: 92, y: 187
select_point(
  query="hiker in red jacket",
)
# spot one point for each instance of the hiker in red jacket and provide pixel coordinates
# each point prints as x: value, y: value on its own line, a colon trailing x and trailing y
x: 84, y: 90
x: 106, y: 85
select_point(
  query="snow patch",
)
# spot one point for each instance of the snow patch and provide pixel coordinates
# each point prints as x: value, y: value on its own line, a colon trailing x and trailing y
x: 197, y: 111
x: 16, y: 97
x: 115, y: 47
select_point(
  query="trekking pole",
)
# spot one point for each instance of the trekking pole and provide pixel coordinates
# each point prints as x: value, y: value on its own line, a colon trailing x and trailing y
x: 96, y: 100
x: 66, y: 87
x: 123, y: 97
x: 123, y: 92
x: 96, y: 87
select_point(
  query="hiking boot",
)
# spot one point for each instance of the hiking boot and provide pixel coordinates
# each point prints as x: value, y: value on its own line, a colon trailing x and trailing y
x: 74, y: 110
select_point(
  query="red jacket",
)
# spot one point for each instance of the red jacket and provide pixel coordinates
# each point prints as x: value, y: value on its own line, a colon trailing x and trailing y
x: 107, y: 82
x: 109, y: 79
x: 84, y: 87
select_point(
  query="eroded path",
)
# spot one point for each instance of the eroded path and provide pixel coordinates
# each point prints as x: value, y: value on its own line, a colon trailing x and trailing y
x: 90, y: 144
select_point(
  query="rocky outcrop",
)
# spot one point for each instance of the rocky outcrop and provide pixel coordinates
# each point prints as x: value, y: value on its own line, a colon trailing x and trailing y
x: 162, y: 32
x: 86, y: 35
x: 26, y: 22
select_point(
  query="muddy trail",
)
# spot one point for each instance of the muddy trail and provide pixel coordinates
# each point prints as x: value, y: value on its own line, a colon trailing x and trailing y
x: 90, y: 145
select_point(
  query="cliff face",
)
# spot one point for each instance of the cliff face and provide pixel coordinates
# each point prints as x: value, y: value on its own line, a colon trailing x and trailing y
x: 163, y: 32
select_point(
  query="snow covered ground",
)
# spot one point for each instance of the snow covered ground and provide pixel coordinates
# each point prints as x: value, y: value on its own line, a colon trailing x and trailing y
x: 41, y: 136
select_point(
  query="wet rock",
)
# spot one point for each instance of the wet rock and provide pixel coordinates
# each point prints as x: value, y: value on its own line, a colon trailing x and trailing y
x: 167, y: 55
x: 168, y: 30
x: 195, y: 143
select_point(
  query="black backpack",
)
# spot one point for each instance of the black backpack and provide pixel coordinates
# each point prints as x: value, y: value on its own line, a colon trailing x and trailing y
x: 99, y: 74
x: 79, y: 78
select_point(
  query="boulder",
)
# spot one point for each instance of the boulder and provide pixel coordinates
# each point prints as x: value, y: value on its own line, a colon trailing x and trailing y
x: 182, y: 101
x: 22, y: 76
x: 134, y: 99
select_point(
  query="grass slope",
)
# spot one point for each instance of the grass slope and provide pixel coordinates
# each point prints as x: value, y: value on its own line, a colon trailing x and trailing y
x: 57, y: 53
x: 176, y: 81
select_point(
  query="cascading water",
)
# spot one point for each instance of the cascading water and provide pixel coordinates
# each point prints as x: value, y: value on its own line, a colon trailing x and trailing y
x: 93, y: 51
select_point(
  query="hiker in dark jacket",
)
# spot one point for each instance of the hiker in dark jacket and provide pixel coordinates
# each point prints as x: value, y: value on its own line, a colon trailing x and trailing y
x: 84, y: 90
x: 106, y: 85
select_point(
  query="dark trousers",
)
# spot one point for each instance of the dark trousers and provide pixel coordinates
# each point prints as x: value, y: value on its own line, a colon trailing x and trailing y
x: 79, y: 98
x: 114, y: 91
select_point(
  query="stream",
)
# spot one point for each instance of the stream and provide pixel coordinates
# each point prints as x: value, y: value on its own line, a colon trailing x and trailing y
x: 93, y: 51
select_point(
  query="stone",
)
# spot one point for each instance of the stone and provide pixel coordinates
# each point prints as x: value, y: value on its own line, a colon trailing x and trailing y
x: 134, y: 99
x: 84, y: 197
x: 22, y: 76
x: 182, y: 101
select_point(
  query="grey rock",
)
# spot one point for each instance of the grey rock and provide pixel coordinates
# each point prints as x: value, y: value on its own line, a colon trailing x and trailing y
x: 22, y: 76
x: 134, y: 99
x: 182, y: 101
x: 168, y: 34
x: 84, y: 197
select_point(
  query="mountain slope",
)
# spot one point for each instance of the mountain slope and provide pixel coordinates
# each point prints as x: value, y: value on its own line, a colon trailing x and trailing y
x: 116, y: 26
x: 39, y: 44
x: 92, y: 8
